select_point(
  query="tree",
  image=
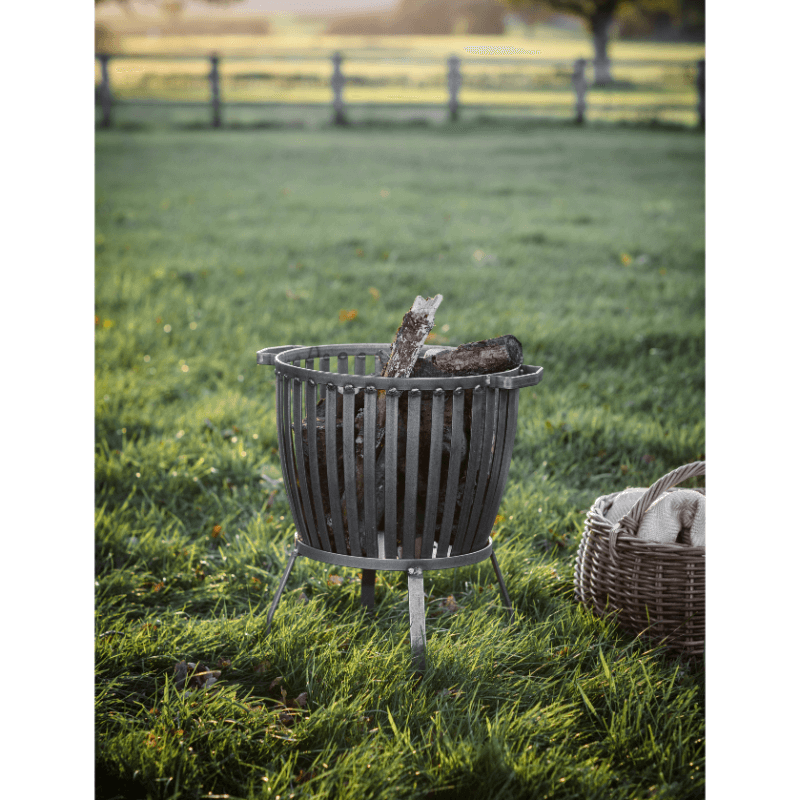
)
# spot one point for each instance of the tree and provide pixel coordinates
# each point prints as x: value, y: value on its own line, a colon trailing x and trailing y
x: 598, y: 16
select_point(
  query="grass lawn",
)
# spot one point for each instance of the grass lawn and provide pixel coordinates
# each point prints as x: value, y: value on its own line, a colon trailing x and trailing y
x: 588, y: 245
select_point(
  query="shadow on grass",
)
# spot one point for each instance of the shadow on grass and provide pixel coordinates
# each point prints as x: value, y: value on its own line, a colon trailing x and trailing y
x: 480, y: 123
x: 108, y: 786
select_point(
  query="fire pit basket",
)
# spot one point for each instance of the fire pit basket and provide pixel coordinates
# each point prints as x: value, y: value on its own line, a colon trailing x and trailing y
x: 402, y: 474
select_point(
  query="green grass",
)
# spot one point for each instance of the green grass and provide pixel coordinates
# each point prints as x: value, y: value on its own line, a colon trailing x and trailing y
x: 588, y: 245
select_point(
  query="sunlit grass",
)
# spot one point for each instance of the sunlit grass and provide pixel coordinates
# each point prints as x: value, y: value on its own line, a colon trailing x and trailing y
x: 569, y: 49
x: 585, y: 244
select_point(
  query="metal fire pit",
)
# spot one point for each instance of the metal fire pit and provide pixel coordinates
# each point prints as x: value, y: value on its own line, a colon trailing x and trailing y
x: 370, y: 512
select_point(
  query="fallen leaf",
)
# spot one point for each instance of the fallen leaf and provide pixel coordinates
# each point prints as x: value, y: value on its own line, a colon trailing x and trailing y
x: 302, y: 699
x: 286, y: 719
x: 335, y: 580
x: 450, y: 604
x: 189, y: 675
x: 275, y: 683
x: 302, y: 776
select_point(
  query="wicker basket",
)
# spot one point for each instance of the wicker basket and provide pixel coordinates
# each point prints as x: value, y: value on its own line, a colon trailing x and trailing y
x: 657, y: 590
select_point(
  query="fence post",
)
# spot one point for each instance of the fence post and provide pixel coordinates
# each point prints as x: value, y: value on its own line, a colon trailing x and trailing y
x: 213, y: 78
x: 105, y: 90
x: 579, y: 83
x: 701, y: 92
x: 337, y: 84
x: 453, y: 84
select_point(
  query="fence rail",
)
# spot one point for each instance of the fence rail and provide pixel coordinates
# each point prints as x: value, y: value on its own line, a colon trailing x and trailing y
x: 452, y: 75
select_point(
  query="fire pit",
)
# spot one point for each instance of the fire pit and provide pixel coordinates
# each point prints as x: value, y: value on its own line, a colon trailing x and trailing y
x: 402, y: 474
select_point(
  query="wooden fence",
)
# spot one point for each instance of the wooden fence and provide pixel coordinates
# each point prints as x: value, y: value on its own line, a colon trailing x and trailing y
x: 580, y: 84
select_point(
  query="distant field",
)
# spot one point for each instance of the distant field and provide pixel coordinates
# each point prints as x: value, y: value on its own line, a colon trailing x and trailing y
x: 411, y: 70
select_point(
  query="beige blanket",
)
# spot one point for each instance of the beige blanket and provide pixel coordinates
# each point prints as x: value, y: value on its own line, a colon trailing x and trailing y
x: 677, y: 516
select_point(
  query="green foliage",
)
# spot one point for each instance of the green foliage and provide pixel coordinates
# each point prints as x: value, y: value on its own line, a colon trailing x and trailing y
x: 585, y: 244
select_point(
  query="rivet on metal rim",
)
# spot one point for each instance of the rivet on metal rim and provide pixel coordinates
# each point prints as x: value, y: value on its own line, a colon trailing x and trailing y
x: 349, y: 388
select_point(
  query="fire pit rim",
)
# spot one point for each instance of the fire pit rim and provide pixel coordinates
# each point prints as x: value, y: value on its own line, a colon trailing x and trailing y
x: 393, y: 564
x: 523, y: 375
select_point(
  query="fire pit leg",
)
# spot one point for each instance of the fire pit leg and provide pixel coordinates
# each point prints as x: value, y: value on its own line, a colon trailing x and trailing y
x: 368, y: 588
x: 503, y: 590
x: 281, y: 587
x: 416, y: 613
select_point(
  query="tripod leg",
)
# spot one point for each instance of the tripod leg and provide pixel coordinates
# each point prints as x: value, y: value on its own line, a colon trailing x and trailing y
x: 368, y: 588
x: 416, y: 613
x: 281, y: 587
x: 503, y: 590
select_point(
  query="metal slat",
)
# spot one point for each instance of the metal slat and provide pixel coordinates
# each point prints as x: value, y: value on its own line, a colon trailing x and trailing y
x: 412, y: 471
x: 281, y: 587
x: 368, y: 588
x: 334, y: 494
x: 324, y: 366
x: 476, y: 443
x: 349, y: 454
x: 487, y: 452
x: 390, y: 517
x: 511, y: 431
x: 279, y: 378
x: 302, y: 467
x: 451, y: 492
x: 486, y: 520
x: 370, y: 482
x: 291, y: 489
x: 434, y: 473
x: 503, y: 590
x: 416, y: 613
x: 313, y: 464
x: 360, y: 364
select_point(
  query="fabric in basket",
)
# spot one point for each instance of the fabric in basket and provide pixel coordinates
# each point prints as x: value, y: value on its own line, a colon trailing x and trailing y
x: 674, y: 517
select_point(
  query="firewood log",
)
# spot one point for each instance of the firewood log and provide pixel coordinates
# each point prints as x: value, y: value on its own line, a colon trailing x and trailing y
x: 474, y: 358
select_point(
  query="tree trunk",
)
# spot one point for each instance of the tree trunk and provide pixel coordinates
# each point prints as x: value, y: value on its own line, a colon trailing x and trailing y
x: 601, y: 25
